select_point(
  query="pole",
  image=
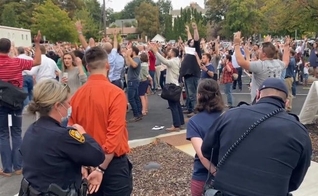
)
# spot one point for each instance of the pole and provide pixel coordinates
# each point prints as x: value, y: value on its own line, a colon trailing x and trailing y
x: 122, y: 27
x: 104, y: 17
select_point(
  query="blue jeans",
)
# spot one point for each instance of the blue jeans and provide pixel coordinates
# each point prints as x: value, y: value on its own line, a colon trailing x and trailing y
x: 176, y: 112
x: 28, y: 88
x: 11, y: 157
x: 228, y: 93
x: 191, y: 85
x: 133, y: 97
x: 153, y: 76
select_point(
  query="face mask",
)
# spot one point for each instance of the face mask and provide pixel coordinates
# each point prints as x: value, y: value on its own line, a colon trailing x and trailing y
x: 69, y: 111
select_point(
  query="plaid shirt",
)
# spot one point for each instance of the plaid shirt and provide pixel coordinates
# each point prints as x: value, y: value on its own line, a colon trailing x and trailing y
x: 227, y: 76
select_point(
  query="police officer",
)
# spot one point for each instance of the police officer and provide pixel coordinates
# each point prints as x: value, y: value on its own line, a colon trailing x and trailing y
x: 264, y: 152
x: 54, y: 155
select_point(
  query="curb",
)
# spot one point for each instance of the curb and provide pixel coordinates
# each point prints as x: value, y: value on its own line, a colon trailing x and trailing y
x: 146, y: 141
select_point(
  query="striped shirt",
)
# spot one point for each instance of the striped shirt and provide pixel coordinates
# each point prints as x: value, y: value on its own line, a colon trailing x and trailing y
x: 11, y: 69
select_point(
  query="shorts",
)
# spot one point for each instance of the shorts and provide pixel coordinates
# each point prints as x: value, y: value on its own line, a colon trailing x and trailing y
x: 143, y: 86
x: 306, y: 76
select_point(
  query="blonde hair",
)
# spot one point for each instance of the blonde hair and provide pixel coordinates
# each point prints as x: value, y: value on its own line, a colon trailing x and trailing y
x: 45, y: 94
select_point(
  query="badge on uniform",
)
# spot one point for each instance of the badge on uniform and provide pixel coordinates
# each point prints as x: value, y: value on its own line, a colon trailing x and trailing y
x: 76, y: 135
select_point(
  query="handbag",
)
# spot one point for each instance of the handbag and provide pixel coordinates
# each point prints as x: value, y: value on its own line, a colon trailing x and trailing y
x: 209, y: 190
x: 235, y: 74
x: 11, y: 96
x: 171, y: 92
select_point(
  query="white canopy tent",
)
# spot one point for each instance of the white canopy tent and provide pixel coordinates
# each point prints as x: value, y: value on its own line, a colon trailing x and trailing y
x: 158, y: 38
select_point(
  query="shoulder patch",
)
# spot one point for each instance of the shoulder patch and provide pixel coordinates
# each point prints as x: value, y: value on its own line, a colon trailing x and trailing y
x: 76, y: 135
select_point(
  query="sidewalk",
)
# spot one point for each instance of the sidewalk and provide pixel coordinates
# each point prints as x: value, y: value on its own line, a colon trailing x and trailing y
x: 308, y: 187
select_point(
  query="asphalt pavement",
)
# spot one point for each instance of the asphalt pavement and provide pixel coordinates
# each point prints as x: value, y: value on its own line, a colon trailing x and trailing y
x: 158, y: 115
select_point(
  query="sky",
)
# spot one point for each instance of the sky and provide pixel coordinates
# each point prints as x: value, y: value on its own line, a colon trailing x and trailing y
x: 119, y: 5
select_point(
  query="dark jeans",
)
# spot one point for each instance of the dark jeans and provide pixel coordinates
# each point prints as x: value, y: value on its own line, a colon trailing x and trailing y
x: 239, y: 78
x: 133, y: 97
x: 28, y: 88
x: 162, y: 78
x: 10, y: 157
x: 117, y: 179
x: 191, y: 85
x: 294, y: 84
x: 118, y: 83
x: 153, y: 76
x: 176, y: 112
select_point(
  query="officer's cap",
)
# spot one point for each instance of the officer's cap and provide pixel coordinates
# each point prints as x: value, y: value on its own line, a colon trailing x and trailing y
x: 274, y: 83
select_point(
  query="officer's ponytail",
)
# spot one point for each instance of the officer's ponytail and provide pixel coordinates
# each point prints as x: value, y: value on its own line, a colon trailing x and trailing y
x: 46, y: 94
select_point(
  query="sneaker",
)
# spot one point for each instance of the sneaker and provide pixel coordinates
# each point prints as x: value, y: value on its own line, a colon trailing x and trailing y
x: 135, y: 119
x: 18, y: 172
x: 173, y: 129
x: 5, y: 174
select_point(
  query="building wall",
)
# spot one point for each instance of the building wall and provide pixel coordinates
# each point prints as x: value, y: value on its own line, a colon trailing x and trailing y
x: 20, y: 37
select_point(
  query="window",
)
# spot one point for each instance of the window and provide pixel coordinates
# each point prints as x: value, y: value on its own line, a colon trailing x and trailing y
x: 22, y: 36
x: 26, y: 37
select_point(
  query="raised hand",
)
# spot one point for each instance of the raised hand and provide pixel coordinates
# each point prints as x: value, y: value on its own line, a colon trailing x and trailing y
x: 38, y: 37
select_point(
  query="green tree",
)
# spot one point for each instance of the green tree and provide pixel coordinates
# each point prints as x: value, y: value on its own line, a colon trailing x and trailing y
x: 147, y: 16
x: 187, y: 16
x: 127, y: 24
x: 9, y: 17
x: 165, y: 7
x: 22, y: 14
x: 168, y: 30
x: 90, y: 27
x: 53, y: 22
x: 238, y: 18
x: 94, y: 8
x: 70, y: 5
x: 129, y: 9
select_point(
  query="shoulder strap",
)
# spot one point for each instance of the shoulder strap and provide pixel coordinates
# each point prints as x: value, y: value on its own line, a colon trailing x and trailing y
x: 237, y: 142
x: 245, y: 134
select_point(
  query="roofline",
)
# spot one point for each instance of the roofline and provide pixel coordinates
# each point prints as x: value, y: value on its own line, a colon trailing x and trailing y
x: 14, y: 28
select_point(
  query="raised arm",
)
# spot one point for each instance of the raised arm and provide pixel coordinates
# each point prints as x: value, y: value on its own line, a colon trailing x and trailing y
x: 188, y: 32
x: 196, y: 35
x: 81, y: 37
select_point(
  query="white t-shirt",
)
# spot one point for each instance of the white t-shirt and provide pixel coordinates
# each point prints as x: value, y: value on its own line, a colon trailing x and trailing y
x: 306, y: 70
x: 261, y: 70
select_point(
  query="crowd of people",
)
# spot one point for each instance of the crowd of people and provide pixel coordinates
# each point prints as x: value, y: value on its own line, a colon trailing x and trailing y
x: 81, y: 95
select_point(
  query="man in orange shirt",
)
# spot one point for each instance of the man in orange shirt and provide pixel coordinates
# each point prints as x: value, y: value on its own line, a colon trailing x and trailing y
x: 100, y: 107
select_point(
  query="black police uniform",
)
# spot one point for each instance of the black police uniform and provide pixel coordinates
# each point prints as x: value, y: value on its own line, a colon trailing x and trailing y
x: 55, y: 154
x: 271, y: 161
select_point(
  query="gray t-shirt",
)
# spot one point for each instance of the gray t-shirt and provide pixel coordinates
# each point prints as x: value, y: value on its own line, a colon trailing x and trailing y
x: 262, y: 70
x: 133, y: 73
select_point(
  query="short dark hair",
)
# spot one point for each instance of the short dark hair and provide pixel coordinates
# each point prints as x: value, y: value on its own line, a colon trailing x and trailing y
x: 175, y: 51
x: 209, y: 97
x: 95, y: 58
x: 208, y: 56
x: 269, y: 49
x: 5, y: 45
x: 144, y: 57
x: 43, y: 49
x: 135, y: 50
x: 229, y: 57
x: 20, y: 50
